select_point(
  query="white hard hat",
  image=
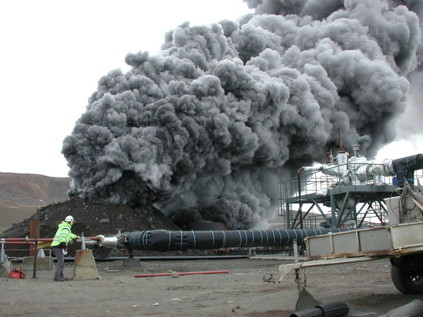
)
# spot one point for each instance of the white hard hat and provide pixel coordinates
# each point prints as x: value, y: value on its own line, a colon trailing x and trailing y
x: 69, y: 219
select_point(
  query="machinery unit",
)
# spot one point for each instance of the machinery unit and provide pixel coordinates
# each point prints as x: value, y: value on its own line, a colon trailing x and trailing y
x: 345, y: 192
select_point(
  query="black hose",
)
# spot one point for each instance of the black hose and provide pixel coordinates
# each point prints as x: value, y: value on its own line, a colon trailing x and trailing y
x: 334, y: 309
x: 163, y: 240
x: 337, y: 309
x: 313, y: 312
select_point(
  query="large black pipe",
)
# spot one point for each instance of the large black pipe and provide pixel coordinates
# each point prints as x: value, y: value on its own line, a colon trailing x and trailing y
x: 409, y: 163
x: 404, y: 168
x: 163, y: 240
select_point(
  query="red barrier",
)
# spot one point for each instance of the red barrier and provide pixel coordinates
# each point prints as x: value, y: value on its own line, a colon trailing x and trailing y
x: 182, y: 273
x: 7, y: 240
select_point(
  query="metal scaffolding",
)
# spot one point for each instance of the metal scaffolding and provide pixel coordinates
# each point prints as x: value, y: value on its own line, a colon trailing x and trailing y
x: 314, y: 199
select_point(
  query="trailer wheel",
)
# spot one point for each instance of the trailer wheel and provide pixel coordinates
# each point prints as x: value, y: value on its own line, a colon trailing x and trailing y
x: 407, y: 274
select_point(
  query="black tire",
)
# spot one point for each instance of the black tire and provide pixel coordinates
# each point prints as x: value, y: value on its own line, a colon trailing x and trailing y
x: 407, y: 274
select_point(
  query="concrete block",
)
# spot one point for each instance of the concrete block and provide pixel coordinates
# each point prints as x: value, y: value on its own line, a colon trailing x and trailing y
x: 84, y: 267
x: 117, y: 263
x: 5, y: 269
x: 131, y: 262
x: 42, y: 263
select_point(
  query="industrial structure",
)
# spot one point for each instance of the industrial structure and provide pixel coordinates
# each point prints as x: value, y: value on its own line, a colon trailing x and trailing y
x: 344, y: 184
x: 352, y: 190
x: 345, y: 192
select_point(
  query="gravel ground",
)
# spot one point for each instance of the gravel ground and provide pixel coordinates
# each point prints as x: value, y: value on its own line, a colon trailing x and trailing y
x: 366, y: 287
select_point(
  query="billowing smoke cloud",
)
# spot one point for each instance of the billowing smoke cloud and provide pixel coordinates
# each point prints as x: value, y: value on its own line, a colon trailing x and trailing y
x: 210, y: 125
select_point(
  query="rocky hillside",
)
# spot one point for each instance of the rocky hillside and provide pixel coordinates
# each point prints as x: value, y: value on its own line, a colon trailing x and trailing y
x: 22, y: 194
x: 92, y: 218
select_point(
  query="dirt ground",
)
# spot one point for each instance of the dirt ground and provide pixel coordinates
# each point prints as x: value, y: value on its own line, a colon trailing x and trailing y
x: 366, y: 287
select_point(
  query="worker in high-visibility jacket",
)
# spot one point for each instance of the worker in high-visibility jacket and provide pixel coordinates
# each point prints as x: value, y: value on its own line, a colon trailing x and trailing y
x: 59, y: 245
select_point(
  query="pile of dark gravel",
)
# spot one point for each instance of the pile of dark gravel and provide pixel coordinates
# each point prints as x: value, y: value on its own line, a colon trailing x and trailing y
x: 91, y: 219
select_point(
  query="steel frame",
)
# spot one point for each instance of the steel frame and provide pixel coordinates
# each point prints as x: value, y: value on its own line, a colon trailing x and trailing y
x: 336, y: 206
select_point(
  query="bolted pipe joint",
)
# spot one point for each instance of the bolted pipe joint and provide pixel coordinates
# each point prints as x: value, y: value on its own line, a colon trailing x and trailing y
x: 110, y: 242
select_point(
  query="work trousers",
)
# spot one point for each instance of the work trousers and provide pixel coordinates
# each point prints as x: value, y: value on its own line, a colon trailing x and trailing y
x: 58, y: 275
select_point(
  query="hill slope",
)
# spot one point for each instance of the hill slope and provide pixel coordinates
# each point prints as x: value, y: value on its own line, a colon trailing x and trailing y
x: 22, y: 194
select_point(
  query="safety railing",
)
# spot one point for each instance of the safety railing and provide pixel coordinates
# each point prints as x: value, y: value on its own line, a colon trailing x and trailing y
x: 43, y: 244
x: 317, y: 183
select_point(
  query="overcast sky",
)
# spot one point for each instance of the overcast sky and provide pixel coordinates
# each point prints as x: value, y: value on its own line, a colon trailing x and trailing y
x: 54, y: 52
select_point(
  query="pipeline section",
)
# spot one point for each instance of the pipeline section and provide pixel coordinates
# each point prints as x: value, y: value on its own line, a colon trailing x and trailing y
x: 337, y: 309
x: 408, y: 164
x: 404, y: 168
x: 163, y: 240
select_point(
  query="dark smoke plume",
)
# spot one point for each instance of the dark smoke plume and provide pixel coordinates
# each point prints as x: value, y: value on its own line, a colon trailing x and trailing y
x: 211, y: 124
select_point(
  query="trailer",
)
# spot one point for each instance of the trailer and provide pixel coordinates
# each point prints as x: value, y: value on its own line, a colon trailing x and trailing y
x: 402, y: 244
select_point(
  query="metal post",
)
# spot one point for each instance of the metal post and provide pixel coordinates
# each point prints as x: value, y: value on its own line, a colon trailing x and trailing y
x: 342, y: 209
x: 301, y: 282
x: 288, y: 215
x: 82, y: 241
x: 300, y: 212
x: 295, y: 246
x: 333, y: 209
x: 37, y: 235
x: 50, y: 261
x: 3, y: 257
